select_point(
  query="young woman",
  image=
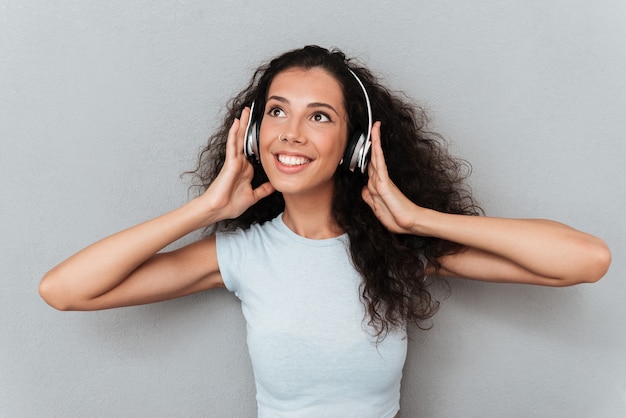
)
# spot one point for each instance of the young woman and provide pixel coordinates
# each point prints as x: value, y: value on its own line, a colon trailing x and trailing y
x: 330, y: 255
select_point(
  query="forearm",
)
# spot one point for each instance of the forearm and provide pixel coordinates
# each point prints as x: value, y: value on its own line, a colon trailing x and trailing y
x: 105, y: 264
x: 543, y: 248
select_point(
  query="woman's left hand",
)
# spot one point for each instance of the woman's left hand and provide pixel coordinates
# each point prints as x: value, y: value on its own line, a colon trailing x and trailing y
x: 390, y: 205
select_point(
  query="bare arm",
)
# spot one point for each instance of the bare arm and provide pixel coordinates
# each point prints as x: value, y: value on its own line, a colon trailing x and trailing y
x: 126, y: 268
x: 529, y: 251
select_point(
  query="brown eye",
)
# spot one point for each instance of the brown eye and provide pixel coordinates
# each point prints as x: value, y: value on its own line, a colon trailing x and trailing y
x: 321, y: 117
x: 276, y: 112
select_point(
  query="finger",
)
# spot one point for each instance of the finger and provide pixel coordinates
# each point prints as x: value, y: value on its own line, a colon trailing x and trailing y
x: 374, y: 137
x: 243, y: 125
x: 366, y: 194
x: 378, y: 157
x: 231, y: 141
x: 375, y: 151
x: 263, y: 191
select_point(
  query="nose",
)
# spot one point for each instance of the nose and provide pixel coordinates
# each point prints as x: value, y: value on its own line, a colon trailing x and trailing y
x: 290, y: 138
x: 292, y: 134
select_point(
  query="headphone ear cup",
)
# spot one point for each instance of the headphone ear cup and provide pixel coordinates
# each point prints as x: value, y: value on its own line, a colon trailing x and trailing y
x: 354, y: 149
x: 251, y: 137
x: 251, y: 145
x: 257, y: 139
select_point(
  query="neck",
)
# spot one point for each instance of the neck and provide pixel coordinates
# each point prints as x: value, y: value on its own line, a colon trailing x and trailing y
x: 310, y: 217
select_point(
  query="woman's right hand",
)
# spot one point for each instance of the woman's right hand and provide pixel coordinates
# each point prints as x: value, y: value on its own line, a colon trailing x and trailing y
x: 231, y: 193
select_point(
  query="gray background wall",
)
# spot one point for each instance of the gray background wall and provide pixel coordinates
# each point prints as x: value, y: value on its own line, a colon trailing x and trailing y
x: 104, y: 104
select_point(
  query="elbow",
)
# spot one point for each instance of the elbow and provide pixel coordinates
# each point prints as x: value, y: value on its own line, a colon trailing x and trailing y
x: 594, y: 265
x: 600, y: 261
x: 51, y: 293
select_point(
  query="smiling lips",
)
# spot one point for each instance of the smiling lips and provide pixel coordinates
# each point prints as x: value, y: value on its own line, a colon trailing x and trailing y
x: 291, y: 160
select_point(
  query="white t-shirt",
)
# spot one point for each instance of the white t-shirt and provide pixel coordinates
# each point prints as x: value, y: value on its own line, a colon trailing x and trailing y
x: 312, y: 352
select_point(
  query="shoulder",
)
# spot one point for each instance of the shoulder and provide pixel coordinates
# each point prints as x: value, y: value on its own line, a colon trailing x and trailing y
x: 255, y: 232
x: 258, y: 240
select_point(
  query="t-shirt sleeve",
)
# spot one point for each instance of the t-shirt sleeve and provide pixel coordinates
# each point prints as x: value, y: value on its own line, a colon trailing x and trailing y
x: 230, y: 252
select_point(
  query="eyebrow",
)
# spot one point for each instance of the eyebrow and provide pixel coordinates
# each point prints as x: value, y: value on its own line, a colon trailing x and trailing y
x: 312, y: 104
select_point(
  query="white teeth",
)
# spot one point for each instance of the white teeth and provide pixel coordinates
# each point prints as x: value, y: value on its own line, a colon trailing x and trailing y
x: 291, y: 160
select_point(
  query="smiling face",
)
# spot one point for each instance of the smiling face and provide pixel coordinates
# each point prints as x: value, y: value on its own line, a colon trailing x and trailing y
x: 303, y: 133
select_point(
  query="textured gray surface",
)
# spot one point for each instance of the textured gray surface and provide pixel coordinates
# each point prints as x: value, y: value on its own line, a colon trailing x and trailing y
x: 104, y: 104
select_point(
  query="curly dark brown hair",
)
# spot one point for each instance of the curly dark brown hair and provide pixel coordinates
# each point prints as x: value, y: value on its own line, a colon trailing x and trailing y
x: 395, y: 288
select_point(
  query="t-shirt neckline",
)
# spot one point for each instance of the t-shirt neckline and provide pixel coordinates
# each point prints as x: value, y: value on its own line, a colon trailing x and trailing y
x: 340, y: 239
